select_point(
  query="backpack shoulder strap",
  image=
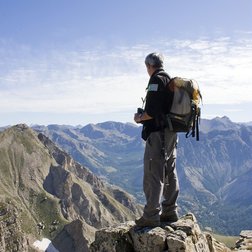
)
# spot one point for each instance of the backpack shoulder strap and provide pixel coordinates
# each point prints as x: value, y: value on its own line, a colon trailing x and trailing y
x: 164, y: 74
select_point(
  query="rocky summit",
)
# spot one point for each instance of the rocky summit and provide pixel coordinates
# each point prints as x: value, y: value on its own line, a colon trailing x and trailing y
x: 245, y: 241
x: 183, y: 235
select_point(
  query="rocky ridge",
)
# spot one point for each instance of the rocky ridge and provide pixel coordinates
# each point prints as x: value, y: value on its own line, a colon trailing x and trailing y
x: 183, y: 235
x: 45, y: 193
x: 245, y: 241
x: 11, y: 238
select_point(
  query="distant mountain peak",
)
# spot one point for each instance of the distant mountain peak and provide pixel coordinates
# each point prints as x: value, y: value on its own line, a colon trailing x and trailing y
x: 223, y: 119
x: 218, y: 123
x: 21, y: 126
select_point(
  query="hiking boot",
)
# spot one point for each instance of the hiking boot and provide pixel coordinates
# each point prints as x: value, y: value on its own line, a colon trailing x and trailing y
x: 142, y: 222
x: 169, y: 217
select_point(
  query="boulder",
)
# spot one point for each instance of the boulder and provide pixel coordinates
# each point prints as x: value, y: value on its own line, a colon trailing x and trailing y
x: 11, y: 236
x: 184, y: 235
x: 72, y: 238
x: 245, y: 241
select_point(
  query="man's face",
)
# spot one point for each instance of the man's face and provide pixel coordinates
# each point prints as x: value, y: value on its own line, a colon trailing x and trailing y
x: 149, y: 71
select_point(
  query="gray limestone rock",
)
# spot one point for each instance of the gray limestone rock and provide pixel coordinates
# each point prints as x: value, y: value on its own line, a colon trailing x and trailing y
x: 181, y: 236
x: 245, y: 242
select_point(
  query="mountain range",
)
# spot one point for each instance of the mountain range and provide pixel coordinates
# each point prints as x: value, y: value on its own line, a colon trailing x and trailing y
x: 215, y: 173
x: 44, y: 192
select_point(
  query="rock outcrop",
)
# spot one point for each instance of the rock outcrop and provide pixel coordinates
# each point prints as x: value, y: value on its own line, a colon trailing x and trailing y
x: 245, y: 242
x: 183, y: 235
x: 11, y: 236
x: 72, y: 238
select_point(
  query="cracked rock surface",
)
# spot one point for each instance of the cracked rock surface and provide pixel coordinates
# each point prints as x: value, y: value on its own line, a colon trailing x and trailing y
x: 183, y: 235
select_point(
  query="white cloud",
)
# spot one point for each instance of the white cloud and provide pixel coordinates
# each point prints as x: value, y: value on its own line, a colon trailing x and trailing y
x: 221, y: 67
x: 114, y: 79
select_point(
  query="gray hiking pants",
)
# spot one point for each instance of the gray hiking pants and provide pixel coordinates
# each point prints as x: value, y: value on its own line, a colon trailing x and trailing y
x: 160, y: 175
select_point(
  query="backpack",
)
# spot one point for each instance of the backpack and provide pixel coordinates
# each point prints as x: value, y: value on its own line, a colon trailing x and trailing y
x: 185, y: 111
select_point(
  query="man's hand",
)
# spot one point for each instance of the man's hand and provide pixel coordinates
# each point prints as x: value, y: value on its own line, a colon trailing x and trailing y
x: 137, y: 118
x: 140, y: 118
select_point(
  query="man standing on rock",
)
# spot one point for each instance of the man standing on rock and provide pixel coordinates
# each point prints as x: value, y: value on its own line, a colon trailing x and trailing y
x: 160, y: 176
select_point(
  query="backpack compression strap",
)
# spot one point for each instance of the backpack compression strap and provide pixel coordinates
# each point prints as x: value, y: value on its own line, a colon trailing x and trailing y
x: 195, y: 126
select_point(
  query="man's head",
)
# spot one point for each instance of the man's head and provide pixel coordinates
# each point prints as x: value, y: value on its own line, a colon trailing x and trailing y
x: 154, y: 61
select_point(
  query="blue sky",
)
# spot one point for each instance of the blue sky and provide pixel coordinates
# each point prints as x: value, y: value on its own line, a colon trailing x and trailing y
x: 78, y: 62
